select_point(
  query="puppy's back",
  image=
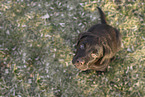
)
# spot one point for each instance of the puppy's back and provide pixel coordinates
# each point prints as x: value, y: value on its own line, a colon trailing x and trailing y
x: 107, y: 32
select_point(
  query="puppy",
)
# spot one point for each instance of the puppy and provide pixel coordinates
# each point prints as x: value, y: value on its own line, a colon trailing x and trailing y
x: 97, y: 46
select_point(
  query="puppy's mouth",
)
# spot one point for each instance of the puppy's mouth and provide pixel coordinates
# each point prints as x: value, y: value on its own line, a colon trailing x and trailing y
x: 81, y: 67
x: 83, y: 64
x: 80, y: 64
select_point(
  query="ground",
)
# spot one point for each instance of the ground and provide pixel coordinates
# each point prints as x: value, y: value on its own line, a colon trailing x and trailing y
x: 37, y: 43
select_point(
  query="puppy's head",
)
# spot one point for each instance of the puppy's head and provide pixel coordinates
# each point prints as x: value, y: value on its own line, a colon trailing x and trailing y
x: 89, y: 50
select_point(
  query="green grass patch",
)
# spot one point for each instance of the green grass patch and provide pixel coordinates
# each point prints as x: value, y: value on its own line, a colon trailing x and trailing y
x: 37, y: 41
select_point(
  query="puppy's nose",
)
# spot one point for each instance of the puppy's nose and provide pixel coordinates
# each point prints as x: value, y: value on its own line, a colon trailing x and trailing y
x: 80, y: 61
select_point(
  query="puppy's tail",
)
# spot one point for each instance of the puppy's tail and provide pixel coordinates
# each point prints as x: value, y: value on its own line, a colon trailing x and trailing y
x: 102, y: 16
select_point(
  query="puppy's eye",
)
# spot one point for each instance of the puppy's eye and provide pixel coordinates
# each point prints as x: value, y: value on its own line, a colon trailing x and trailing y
x: 95, y: 51
x: 82, y: 46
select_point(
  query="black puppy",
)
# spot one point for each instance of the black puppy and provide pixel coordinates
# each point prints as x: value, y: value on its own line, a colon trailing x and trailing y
x: 97, y: 47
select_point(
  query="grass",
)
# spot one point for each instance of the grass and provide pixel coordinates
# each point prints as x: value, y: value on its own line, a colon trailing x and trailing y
x: 37, y: 41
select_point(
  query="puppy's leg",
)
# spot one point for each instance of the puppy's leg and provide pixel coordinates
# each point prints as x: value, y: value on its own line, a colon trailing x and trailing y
x: 87, y: 71
x: 103, y: 66
x: 100, y: 72
x: 112, y: 59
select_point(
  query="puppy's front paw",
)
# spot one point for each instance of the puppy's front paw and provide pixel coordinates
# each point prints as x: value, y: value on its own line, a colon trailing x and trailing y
x: 87, y: 71
x: 101, y: 72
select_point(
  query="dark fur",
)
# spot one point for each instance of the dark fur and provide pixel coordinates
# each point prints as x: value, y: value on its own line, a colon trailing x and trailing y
x: 97, y: 47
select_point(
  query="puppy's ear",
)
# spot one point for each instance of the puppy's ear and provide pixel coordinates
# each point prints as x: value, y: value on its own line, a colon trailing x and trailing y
x: 79, y: 36
x: 85, y: 34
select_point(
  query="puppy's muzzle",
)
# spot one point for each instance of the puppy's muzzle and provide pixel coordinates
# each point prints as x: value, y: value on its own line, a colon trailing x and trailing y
x: 78, y: 61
